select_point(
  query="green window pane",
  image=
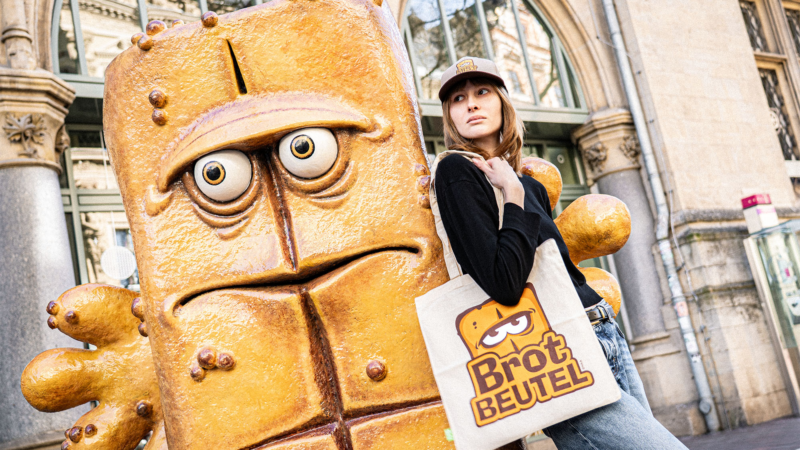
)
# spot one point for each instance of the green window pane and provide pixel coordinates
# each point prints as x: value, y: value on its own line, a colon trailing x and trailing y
x: 427, y: 43
x: 531, y: 150
x: 91, y: 167
x: 465, y: 26
x: 594, y: 262
x: 540, y: 51
x: 67, y: 48
x: 430, y: 147
x: 107, y: 35
x: 560, y: 156
x: 507, y: 49
x: 102, y: 231
x: 85, y: 138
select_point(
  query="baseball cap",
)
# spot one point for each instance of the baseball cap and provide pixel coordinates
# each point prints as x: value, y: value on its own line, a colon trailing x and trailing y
x: 469, y: 67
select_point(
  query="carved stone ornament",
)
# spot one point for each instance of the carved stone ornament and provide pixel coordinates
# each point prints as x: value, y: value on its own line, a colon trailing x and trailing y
x: 62, y: 141
x: 596, y: 156
x: 631, y: 149
x: 28, y: 130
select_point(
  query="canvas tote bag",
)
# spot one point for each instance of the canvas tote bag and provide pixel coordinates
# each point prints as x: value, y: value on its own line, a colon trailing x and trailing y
x: 505, y: 372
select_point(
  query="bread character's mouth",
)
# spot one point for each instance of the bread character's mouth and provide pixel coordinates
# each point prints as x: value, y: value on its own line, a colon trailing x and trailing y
x: 518, y: 324
x: 304, y: 277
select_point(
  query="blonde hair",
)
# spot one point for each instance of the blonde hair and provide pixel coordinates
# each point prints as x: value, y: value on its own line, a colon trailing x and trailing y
x: 511, y: 130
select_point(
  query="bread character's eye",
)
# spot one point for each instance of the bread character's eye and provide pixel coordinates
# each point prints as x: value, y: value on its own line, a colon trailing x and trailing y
x: 309, y: 152
x: 224, y: 175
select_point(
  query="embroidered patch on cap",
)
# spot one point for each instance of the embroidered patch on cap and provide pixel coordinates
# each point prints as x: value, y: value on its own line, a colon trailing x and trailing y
x: 466, y: 65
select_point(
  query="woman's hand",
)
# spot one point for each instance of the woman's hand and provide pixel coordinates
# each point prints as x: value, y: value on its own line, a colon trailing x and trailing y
x: 503, y: 177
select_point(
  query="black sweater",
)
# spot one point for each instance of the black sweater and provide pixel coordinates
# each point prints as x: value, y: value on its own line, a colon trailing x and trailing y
x: 498, y: 260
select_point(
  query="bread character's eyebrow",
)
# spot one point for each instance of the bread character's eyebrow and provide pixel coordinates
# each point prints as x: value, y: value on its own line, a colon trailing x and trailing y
x: 252, y: 123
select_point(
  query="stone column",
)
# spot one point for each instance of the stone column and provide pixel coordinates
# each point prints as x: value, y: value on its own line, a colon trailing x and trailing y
x: 611, y: 157
x: 36, y: 263
x: 611, y: 154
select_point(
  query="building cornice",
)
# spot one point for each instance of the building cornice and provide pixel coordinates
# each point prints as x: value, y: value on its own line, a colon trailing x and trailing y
x: 36, y: 85
x: 608, y: 143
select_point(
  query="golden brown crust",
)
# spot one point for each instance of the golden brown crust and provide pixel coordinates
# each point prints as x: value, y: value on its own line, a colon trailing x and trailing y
x: 604, y: 284
x: 546, y: 173
x: 594, y: 225
x: 119, y: 374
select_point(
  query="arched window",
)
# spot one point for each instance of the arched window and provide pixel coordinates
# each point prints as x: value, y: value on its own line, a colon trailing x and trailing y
x: 86, y: 36
x: 513, y: 33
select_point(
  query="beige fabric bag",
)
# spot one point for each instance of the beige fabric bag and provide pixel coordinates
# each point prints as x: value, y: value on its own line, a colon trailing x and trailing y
x: 506, y: 372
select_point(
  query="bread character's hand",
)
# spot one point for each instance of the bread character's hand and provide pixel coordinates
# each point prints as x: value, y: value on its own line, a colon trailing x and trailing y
x: 119, y: 374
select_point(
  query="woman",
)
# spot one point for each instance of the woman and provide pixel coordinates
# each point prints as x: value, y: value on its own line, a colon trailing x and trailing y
x: 478, y: 117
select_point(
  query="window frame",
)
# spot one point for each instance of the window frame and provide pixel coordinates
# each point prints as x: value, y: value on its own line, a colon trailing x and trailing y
x: 78, y: 200
x: 574, y: 113
x: 783, y: 58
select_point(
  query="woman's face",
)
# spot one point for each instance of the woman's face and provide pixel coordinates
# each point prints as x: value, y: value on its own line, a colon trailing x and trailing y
x: 476, y: 111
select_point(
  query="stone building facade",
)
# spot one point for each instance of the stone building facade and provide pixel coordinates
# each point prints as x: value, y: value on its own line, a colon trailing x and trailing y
x: 718, y: 82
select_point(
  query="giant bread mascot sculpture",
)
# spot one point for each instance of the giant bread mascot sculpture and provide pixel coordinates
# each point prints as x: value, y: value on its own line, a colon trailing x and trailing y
x: 271, y: 165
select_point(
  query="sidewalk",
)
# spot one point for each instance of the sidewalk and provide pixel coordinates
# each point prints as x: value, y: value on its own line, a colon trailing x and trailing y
x: 781, y: 434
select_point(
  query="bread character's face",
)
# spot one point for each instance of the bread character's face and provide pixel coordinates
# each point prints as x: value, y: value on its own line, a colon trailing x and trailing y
x: 495, y: 328
x: 276, y: 204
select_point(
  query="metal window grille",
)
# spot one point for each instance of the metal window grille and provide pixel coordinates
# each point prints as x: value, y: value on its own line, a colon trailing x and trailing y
x: 780, y: 120
x: 793, y: 18
x: 753, y: 24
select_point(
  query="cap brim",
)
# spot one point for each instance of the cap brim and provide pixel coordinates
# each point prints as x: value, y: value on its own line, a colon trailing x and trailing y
x: 463, y: 76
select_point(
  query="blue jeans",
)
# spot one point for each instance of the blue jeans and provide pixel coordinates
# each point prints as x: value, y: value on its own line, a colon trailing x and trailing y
x: 628, y: 423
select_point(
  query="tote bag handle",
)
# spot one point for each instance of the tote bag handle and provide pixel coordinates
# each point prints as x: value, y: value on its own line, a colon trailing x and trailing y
x: 453, y: 267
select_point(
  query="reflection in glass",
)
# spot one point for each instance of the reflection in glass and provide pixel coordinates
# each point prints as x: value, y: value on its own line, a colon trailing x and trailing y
x: 780, y: 256
x: 540, y: 51
x: 172, y: 10
x: 91, y: 167
x: 465, y: 26
x: 107, y: 32
x: 507, y: 49
x: 427, y: 42
x: 226, y: 6
x: 101, y: 231
x: 86, y: 138
x: 67, y: 49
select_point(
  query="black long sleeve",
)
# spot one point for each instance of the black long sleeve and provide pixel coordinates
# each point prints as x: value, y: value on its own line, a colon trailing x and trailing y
x: 498, y: 260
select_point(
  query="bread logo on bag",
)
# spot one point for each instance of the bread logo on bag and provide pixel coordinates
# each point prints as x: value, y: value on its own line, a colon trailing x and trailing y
x: 517, y: 359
